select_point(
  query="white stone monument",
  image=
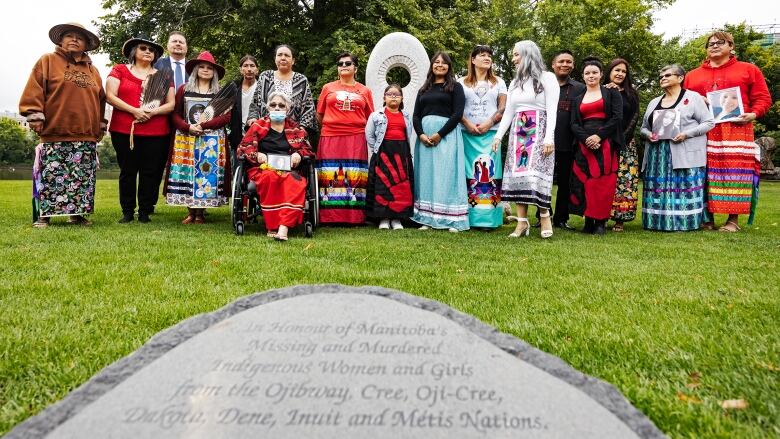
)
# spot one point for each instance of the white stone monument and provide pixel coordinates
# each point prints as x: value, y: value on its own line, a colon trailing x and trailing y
x: 397, y: 49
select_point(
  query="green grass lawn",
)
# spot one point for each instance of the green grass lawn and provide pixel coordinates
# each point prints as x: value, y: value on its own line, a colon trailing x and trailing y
x: 678, y: 322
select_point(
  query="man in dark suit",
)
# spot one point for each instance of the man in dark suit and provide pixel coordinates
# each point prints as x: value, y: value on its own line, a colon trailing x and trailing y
x: 177, y: 54
x: 562, y: 66
x: 174, y: 62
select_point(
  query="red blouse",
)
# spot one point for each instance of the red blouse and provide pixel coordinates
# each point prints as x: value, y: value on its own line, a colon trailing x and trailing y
x: 396, y: 126
x: 130, y: 92
x: 593, y: 110
x: 345, y: 109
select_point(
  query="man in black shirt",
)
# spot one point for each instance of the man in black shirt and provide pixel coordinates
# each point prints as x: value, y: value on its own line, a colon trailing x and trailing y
x: 562, y: 66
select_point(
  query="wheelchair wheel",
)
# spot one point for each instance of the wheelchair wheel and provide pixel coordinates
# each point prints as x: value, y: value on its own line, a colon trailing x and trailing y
x: 239, y: 228
x: 315, y: 197
x: 237, y: 212
x: 308, y: 229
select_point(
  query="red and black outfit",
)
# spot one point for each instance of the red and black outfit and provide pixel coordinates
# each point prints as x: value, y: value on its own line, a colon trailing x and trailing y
x: 594, y: 173
x: 282, y: 194
x: 390, y: 173
x: 146, y: 162
x: 733, y: 162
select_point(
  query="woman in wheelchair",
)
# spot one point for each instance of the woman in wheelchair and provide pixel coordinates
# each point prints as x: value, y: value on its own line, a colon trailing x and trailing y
x: 273, y: 148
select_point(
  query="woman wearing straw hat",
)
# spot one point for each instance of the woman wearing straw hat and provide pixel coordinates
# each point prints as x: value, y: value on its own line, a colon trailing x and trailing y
x: 139, y: 135
x: 64, y: 103
x: 198, y: 165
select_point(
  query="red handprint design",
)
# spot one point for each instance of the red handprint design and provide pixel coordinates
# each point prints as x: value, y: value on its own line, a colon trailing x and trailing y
x: 399, y: 187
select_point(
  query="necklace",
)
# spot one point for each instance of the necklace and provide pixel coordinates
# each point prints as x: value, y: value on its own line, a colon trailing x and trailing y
x: 144, y: 73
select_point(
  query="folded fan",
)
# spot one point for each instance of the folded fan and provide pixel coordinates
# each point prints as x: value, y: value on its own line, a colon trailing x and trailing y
x: 220, y: 103
x: 155, y: 89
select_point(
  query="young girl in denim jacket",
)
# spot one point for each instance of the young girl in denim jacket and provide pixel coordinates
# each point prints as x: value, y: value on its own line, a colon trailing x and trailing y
x: 389, y: 196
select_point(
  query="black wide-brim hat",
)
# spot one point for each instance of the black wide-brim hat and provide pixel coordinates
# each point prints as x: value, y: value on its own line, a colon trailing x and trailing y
x: 57, y: 32
x: 132, y: 42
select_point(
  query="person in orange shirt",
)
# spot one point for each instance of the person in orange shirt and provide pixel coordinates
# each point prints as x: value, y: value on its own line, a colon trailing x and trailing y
x: 342, y: 110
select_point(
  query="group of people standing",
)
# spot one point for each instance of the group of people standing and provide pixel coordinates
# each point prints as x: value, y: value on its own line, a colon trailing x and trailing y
x: 440, y: 166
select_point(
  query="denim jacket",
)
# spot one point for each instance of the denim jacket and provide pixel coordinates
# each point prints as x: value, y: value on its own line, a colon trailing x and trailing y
x: 376, y: 127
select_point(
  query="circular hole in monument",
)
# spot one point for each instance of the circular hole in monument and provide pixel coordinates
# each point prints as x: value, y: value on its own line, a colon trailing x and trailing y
x: 399, y: 75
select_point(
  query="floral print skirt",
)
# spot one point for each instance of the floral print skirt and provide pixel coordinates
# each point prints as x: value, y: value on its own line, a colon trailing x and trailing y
x: 626, y: 196
x: 67, y: 178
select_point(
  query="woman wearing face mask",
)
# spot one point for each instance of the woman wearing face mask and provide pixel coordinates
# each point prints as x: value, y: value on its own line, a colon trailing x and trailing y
x: 624, y: 205
x: 281, y: 193
x: 285, y: 80
x: 247, y: 83
x: 342, y: 153
x: 597, y: 119
x: 198, y: 165
x: 733, y: 165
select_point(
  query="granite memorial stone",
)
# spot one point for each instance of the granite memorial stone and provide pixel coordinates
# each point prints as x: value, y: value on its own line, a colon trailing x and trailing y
x: 329, y: 361
x: 397, y: 49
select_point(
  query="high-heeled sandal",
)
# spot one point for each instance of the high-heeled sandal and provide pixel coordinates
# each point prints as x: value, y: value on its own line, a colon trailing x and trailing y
x: 546, y: 233
x: 518, y: 230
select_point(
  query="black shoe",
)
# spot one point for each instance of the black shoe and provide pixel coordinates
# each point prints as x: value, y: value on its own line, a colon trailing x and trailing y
x: 144, y: 218
x: 600, y: 229
x: 563, y: 225
x: 590, y: 226
x: 126, y: 218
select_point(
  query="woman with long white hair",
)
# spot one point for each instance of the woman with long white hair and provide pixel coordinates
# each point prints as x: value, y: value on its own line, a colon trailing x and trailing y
x: 531, y: 112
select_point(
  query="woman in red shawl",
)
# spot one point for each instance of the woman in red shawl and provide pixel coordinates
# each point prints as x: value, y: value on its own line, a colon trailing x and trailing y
x: 282, y: 194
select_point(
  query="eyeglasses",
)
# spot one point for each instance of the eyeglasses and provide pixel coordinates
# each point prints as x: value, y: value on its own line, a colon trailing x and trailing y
x: 275, y: 105
x: 392, y: 95
x: 666, y: 75
x: 144, y: 48
x: 344, y: 63
x: 716, y: 43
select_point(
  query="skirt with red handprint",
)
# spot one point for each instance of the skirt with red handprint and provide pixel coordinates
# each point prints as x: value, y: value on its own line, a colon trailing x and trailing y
x: 390, y: 182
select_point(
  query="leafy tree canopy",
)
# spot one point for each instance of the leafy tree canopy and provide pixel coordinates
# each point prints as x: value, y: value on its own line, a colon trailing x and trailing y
x: 320, y: 29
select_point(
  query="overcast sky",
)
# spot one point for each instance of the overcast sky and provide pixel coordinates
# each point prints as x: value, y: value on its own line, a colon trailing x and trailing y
x: 26, y: 29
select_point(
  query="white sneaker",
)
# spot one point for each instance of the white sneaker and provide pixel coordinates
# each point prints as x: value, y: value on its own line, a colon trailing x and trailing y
x: 384, y: 224
x: 396, y: 224
x: 453, y: 230
x: 424, y: 228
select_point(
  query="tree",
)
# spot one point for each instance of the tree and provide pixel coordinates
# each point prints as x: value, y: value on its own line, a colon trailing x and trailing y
x: 16, y: 146
x: 106, y: 153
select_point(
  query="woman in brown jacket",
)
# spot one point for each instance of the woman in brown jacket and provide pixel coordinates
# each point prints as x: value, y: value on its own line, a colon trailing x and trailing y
x: 64, y: 103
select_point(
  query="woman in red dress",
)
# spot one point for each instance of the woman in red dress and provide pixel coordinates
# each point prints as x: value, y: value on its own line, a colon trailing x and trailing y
x: 282, y: 193
x: 596, y: 119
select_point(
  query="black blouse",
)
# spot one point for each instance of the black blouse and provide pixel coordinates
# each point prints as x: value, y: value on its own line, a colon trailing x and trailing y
x: 661, y: 107
x: 436, y: 102
x: 630, y: 114
x: 275, y: 143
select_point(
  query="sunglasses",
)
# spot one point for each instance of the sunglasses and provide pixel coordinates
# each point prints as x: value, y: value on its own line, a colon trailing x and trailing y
x: 275, y: 105
x: 344, y: 63
x: 716, y: 43
x: 145, y: 48
x: 666, y: 75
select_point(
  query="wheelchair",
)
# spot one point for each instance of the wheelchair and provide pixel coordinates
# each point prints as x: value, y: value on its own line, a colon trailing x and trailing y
x: 245, y: 206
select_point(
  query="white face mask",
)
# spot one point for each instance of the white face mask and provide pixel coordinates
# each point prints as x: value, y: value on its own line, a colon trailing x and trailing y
x: 277, y: 115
